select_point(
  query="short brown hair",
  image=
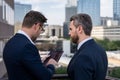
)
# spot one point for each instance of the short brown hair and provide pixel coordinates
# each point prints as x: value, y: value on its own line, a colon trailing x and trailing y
x: 33, y: 17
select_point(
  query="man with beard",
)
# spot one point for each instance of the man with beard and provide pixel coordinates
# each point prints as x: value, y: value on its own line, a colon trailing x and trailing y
x: 90, y: 60
x: 20, y: 54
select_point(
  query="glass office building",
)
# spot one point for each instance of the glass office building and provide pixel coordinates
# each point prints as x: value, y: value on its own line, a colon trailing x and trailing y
x: 70, y: 10
x: 116, y: 10
x: 91, y: 7
x: 21, y: 10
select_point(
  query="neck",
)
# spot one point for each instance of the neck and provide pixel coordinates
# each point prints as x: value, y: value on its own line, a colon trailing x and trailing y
x: 27, y: 31
x: 83, y: 37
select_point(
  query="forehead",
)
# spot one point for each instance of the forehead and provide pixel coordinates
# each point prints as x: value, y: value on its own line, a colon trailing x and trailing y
x: 71, y: 23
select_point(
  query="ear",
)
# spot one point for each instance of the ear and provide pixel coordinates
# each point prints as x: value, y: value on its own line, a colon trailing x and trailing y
x: 80, y: 29
x: 35, y: 26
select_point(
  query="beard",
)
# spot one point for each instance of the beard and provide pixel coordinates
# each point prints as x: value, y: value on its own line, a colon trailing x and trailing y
x: 75, y: 39
x: 33, y: 39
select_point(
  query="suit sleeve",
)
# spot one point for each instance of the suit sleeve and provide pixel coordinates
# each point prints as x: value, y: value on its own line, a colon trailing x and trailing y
x: 32, y: 62
x: 83, y: 69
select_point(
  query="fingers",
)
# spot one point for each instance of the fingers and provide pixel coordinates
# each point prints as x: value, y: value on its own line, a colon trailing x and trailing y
x: 53, y: 62
x: 44, y: 57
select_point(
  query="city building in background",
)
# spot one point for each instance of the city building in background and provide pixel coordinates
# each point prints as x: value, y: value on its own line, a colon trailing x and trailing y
x: 6, y: 21
x: 109, y: 22
x: 52, y: 31
x: 91, y: 7
x: 111, y: 33
x: 110, y: 26
x: 65, y: 29
x: 104, y: 27
x: 116, y: 10
x: 55, y: 30
x: 70, y: 10
x: 20, y: 12
x: 71, y: 2
x: 6, y: 27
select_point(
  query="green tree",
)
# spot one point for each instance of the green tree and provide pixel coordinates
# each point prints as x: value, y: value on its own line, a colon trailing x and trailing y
x: 115, y: 72
x: 111, y: 46
x: 61, y: 70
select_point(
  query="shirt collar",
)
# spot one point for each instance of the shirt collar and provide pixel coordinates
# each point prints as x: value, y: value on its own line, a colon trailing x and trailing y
x: 82, y: 42
x: 22, y: 32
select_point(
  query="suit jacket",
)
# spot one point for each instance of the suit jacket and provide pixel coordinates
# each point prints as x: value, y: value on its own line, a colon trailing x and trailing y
x: 23, y: 61
x: 89, y: 63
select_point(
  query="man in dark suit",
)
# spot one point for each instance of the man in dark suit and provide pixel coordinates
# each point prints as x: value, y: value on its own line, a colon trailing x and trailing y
x: 90, y: 60
x: 20, y: 54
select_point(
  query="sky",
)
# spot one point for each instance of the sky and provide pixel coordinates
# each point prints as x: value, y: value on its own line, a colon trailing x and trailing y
x: 54, y: 10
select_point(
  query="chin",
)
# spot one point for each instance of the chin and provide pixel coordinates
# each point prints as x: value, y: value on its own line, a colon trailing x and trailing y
x: 75, y: 42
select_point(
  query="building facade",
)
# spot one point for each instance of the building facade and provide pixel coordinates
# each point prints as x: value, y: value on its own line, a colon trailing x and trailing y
x: 70, y: 11
x: 109, y: 22
x: 6, y: 18
x: 52, y: 31
x: 65, y: 29
x: 91, y: 7
x: 6, y: 28
x: 55, y: 30
x: 111, y: 33
x: 116, y: 10
x: 71, y: 2
x: 6, y: 21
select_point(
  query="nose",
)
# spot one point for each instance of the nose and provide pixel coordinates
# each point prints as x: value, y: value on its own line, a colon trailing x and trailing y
x: 69, y: 33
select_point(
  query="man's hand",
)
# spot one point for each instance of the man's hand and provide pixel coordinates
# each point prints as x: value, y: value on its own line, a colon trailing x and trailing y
x: 53, y: 62
x: 43, y: 58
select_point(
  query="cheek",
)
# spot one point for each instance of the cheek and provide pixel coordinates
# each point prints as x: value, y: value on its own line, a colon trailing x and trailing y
x: 72, y: 33
x: 38, y: 31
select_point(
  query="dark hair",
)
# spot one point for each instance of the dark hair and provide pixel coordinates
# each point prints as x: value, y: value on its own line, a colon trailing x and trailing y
x: 33, y: 17
x: 84, y: 20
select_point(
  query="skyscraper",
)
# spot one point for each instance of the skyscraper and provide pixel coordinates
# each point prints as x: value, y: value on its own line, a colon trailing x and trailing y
x: 116, y: 10
x: 70, y: 10
x: 91, y: 7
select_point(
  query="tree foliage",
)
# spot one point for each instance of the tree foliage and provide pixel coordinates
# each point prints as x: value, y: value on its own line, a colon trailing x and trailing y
x: 109, y: 45
x: 115, y: 72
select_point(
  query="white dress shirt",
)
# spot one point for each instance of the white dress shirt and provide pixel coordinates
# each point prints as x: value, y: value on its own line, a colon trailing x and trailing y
x: 82, y: 42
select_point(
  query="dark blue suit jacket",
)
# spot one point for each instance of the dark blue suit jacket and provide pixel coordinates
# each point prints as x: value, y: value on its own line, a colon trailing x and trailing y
x: 23, y: 61
x: 89, y: 63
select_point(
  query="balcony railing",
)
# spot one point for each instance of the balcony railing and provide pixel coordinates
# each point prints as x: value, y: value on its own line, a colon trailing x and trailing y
x: 65, y: 77
x: 62, y: 77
